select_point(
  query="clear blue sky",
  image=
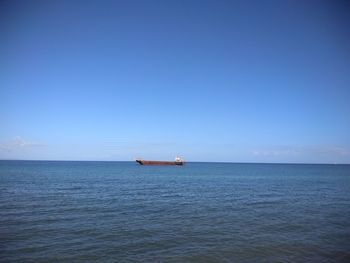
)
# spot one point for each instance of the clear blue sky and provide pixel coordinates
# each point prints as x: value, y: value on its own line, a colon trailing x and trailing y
x: 240, y: 81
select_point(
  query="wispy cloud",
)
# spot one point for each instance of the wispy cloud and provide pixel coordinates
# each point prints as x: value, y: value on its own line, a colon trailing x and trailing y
x: 19, y: 143
x: 274, y: 152
x: 300, y: 150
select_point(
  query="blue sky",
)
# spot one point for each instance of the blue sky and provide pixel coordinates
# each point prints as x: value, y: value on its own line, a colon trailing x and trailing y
x: 240, y: 81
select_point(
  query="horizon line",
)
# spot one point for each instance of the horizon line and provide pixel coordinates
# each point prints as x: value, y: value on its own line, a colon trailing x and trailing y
x: 227, y: 162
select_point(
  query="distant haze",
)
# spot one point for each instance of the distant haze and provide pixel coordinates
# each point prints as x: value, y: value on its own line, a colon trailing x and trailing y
x: 233, y: 81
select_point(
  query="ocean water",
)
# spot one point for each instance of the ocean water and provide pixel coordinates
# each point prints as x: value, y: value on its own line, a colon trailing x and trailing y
x: 201, y: 212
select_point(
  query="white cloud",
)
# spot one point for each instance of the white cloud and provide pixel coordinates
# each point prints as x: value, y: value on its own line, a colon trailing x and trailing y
x: 274, y: 152
x: 301, y: 150
x: 19, y: 143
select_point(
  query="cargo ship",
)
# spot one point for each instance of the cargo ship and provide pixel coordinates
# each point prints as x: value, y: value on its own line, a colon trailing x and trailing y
x: 178, y: 161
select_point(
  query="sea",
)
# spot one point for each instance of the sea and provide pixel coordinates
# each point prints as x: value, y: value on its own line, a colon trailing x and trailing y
x: 58, y: 211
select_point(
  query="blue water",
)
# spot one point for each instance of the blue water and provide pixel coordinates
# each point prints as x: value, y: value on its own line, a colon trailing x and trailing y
x: 201, y: 212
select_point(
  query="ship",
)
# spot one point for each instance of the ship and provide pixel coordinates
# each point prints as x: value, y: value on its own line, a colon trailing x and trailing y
x: 178, y: 161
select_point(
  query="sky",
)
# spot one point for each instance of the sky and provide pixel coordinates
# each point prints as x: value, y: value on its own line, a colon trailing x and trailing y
x: 226, y: 81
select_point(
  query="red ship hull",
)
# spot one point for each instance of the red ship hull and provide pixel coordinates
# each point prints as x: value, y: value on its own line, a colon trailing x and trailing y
x: 143, y: 162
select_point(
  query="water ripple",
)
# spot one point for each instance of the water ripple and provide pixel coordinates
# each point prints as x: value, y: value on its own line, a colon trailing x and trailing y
x: 121, y: 212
